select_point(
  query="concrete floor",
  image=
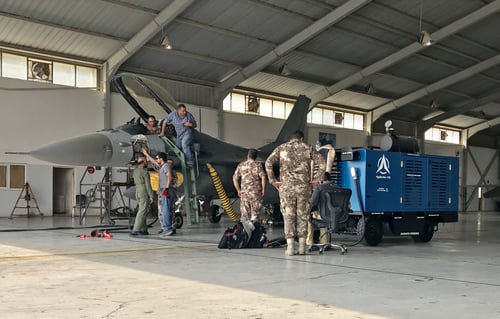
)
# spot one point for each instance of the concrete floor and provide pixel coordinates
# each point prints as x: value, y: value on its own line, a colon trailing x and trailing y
x: 55, y: 274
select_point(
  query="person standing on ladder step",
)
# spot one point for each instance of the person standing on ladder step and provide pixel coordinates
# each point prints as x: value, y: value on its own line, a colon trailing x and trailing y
x: 143, y: 195
x: 184, y: 124
x: 165, y: 177
x: 295, y: 186
x: 253, y: 186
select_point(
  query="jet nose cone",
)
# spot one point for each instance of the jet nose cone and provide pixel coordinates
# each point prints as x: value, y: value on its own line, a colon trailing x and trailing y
x: 93, y: 149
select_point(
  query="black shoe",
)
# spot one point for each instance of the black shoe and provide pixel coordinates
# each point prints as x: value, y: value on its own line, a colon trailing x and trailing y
x: 143, y: 233
x: 134, y: 233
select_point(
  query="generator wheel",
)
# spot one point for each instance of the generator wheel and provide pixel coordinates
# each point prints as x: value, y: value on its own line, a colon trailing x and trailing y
x: 214, y: 215
x: 373, y: 231
x: 426, y: 234
x: 178, y: 221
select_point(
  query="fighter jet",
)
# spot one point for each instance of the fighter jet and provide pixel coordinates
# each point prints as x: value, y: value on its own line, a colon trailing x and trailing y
x: 118, y: 147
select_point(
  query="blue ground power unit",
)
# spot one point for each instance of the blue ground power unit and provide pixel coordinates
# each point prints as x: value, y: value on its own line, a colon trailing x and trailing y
x: 400, y: 193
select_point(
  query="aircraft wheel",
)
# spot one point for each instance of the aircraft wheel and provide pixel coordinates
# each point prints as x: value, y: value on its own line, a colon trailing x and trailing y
x: 373, y: 231
x: 178, y: 221
x: 426, y: 233
x: 214, y: 215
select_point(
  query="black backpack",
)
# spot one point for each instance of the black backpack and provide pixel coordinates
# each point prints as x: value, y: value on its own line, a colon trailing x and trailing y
x: 234, y: 237
x: 258, y: 238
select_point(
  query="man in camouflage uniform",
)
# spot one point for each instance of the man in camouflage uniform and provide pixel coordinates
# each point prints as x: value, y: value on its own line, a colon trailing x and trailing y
x: 295, y: 159
x: 253, y: 183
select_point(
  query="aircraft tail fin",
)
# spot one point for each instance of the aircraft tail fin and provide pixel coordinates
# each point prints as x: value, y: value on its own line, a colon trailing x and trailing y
x: 295, y: 121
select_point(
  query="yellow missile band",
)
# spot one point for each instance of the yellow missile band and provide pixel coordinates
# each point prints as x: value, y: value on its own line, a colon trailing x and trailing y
x: 222, y: 193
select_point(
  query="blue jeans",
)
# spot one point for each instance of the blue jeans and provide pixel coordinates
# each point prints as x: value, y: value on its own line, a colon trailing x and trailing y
x: 185, y: 144
x: 166, y: 213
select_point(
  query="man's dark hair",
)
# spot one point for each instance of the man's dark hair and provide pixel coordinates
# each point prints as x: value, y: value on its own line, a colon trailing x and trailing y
x: 151, y: 117
x: 252, y: 153
x: 181, y: 106
x: 298, y: 135
x: 162, y: 155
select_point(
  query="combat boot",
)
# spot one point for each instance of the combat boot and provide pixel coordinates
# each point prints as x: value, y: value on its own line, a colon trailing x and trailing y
x: 310, y: 234
x: 302, y: 246
x: 289, y: 247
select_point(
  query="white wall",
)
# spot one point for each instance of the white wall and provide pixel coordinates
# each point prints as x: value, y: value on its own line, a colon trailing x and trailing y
x: 250, y: 130
x: 483, y: 157
x: 34, y: 114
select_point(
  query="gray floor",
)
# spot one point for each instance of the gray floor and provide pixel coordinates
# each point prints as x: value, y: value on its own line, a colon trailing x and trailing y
x: 55, y: 274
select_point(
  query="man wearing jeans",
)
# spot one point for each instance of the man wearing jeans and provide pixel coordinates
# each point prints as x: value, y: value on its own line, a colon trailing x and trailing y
x: 184, y: 124
x: 165, y: 177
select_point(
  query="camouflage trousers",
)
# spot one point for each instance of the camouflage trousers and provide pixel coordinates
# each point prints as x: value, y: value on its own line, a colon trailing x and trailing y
x: 250, y: 206
x: 295, y: 208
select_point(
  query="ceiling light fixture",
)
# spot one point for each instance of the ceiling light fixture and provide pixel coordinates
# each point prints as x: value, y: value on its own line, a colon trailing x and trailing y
x: 284, y: 70
x: 370, y: 89
x: 424, y: 38
x: 165, y: 41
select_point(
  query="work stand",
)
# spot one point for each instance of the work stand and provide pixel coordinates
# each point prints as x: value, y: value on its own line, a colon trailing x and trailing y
x: 27, y: 195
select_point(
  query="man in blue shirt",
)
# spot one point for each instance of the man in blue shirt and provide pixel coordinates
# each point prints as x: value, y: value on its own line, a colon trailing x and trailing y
x: 184, y: 124
x: 165, y: 177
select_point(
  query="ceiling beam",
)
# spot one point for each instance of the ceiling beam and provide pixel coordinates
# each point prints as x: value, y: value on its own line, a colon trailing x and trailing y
x: 140, y: 38
x: 292, y: 43
x: 459, y: 109
x: 436, y: 86
x: 481, y: 126
x: 405, y: 52
x: 363, y: 37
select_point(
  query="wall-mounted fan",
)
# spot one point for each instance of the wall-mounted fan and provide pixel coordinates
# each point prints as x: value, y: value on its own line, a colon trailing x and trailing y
x: 253, y: 104
x: 40, y: 71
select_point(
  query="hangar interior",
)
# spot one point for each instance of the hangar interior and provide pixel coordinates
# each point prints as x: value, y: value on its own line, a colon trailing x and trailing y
x: 431, y: 67
x: 351, y: 58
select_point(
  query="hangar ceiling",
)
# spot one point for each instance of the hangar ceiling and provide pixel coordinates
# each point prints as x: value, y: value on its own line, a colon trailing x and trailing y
x: 358, y: 54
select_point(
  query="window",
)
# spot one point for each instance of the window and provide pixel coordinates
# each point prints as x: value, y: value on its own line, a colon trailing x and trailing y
x: 330, y: 117
x: 48, y: 71
x: 279, y: 109
x: 17, y: 176
x: 3, y: 176
x: 269, y: 107
x: 238, y: 103
x: 444, y: 135
x: 86, y: 77
x: 253, y: 104
x: 317, y: 115
x: 64, y: 74
x: 12, y: 176
x: 14, y: 66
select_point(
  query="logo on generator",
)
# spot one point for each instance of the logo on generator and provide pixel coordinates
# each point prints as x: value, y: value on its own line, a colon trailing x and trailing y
x: 383, y: 167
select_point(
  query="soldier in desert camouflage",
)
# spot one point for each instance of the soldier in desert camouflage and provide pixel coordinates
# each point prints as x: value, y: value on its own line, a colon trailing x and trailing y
x: 253, y: 183
x: 295, y: 183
